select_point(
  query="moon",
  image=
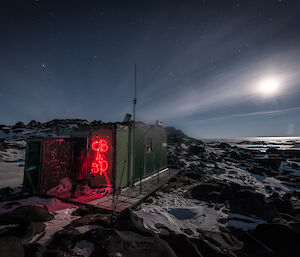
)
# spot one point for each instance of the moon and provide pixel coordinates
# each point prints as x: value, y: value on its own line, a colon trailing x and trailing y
x: 269, y: 86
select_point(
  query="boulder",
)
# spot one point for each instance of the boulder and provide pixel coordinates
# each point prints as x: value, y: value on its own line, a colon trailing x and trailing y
x: 33, y: 229
x: 111, y: 242
x: 182, y: 245
x: 19, y: 124
x: 272, y: 163
x: 130, y: 221
x: 11, y: 246
x: 25, y: 214
x: 259, y: 170
x: 175, y: 135
x: 282, y: 239
x: 224, y: 146
x: 92, y: 219
x: 33, y: 124
x: 65, y: 239
x: 214, y: 192
x: 196, y: 150
x: 222, y: 240
x: 34, y: 250
x: 24, y: 231
x: 250, y: 203
x: 54, y: 253
x: 282, y: 205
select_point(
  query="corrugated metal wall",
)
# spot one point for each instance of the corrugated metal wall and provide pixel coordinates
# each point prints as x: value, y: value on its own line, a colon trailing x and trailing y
x: 150, y: 149
x: 122, y: 156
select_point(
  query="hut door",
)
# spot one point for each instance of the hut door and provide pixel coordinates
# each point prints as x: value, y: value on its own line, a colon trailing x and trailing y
x: 100, y: 158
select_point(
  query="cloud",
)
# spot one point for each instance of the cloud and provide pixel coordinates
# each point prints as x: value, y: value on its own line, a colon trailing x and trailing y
x: 250, y: 114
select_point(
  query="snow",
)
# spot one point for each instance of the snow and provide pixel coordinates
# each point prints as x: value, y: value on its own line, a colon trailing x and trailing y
x: 62, y: 214
x: 86, y: 228
x: 12, y: 164
x: 178, y: 213
x: 240, y: 176
x: 61, y: 218
x: 173, y: 211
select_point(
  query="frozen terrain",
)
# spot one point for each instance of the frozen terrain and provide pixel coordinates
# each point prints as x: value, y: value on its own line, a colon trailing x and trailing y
x: 230, y: 198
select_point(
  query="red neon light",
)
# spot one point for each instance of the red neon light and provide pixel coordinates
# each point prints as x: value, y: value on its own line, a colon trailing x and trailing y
x: 100, y: 165
x: 100, y: 146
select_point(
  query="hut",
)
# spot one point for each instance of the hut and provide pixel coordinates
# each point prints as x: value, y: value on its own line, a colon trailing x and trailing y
x: 111, y: 156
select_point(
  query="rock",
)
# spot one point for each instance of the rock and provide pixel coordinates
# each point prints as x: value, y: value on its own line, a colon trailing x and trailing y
x: 250, y: 203
x: 175, y: 135
x: 196, y: 150
x: 207, y: 249
x: 34, y: 250
x: 33, y: 229
x: 96, y: 123
x: 163, y: 230
x: 84, y: 210
x: 224, y: 146
x: 94, y: 219
x: 258, y: 170
x: 61, y: 243
x: 214, y: 192
x: 182, y: 245
x: 282, y: 205
x: 268, y: 189
x: 224, y: 241
x: 222, y: 220
x: 19, y: 124
x: 130, y: 221
x: 239, y: 156
x: 282, y: 239
x: 25, y: 214
x: 195, y: 176
x: 187, y: 231
x: 111, y: 242
x: 65, y: 239
x: 54, y: 253
x: 295, y: 226
x: 24, y: 231
x: 11, y: 247
x: 272, y: 163
x: 33, y: 124
x: 5, y: 193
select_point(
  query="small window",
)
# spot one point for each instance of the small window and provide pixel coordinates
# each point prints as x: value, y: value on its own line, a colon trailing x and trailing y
x: 149, y: 145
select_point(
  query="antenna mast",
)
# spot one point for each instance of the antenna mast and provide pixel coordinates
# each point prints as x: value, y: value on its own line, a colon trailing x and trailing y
x: 133, y: 124
x: 134, y: 99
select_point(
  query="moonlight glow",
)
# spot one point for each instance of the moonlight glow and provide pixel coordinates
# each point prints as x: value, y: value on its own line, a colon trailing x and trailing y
x: 269, y: 86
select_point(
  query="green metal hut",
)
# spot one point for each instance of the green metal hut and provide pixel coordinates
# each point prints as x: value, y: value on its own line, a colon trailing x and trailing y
x: 113, y: 154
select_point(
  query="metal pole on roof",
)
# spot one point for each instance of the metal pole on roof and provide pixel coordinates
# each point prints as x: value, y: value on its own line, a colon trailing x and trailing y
x: 133, y: 124
x: 134, y: 99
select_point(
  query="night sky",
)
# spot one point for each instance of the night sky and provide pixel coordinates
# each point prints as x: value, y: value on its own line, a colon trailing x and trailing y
x: 200, y: 64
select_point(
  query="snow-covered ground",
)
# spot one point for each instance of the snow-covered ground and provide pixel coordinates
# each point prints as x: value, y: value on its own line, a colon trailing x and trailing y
x: 12, y: 164
x: 177, y: 213
x: 170, y: 210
